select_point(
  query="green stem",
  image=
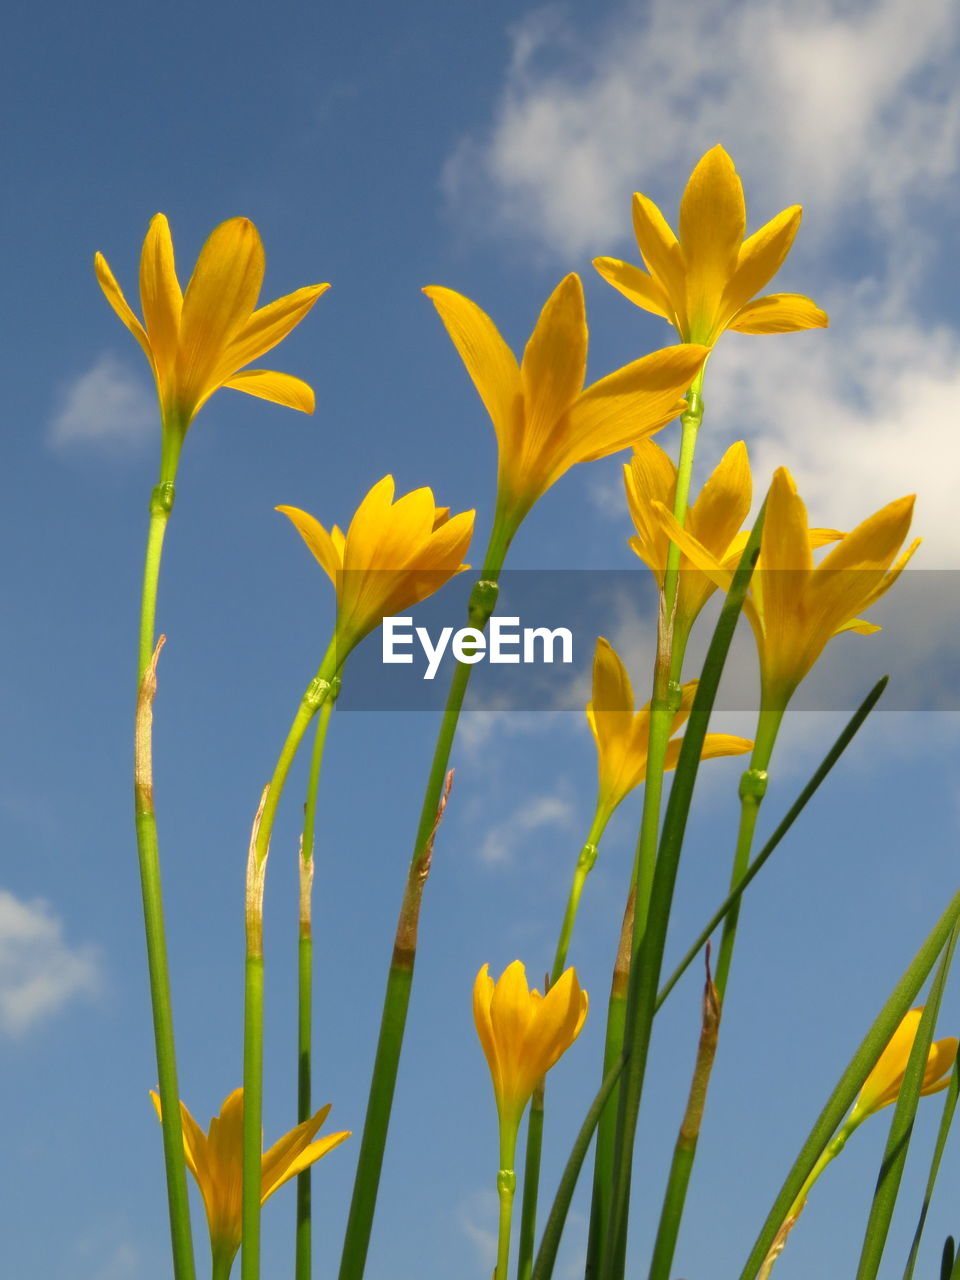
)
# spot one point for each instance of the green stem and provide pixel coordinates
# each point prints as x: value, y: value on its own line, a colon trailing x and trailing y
x: 685, y: 1149
x: 946, y: 1120
x: 531, y: 1166
x: 400, y: 977
x: 148, y: 852
x: 506, y: 1186
x: 304, y: 1240
x: 317, y: 692
x: 753, y: 786
x: 588, y: 856
x: 663, y: 708
x: 222, y: 1266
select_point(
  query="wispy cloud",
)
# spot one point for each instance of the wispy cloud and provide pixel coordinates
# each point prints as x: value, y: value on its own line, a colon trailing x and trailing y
x: 39, y: 970
x: 844, y: 106
x: 536, y: 813
x: 108, y: 406
x: 477, y: 1216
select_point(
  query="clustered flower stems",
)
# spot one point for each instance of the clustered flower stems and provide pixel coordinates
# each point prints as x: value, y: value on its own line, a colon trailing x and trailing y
x: 304, y: 1242
x: 148, y: 851
x: 647, y: 950
x: 663, y: 706
x: 316, y: 694
x: 483, y: 598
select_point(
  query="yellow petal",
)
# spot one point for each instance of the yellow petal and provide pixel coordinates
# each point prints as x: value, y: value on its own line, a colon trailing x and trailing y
x: 779, y: 313
x: 651, y: 476
x: 712, y: 222
x: 631, y: 403
x: 714, y: 746
x: 483, y: 988
x: 661, y: 252
x: 114, y: 295
x: 554, y: 362
x: 269, y: 325
x: 699, y: 555
x: 321, y: 543
x: 161, y: 297
x: 636, y: 285
x: 760, y: 258
x: 724, y: 502
x: 556, y: 1023
x: 280, y: 388
x: 218, y: 302
x: 489, y: 361
x: 303, y: 1160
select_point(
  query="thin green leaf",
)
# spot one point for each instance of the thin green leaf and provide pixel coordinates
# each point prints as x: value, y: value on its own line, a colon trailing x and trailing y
x: 946, y: 1120
x: 547, y: 1254
x: 901, y: 1125
x: 826, y: 764
x: 850, y: 1082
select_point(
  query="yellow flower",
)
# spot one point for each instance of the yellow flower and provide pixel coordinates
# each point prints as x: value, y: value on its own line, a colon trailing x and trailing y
x: 524, y: 1033
x: 622, y: 735
x: 882, y: 1085
x: 796, y: 607
x: 705, y: 281
x: 714, y: 520
x: 215, y: 1159
x: 392, y: 555
x: 201, y: 340
x: 546, y: 422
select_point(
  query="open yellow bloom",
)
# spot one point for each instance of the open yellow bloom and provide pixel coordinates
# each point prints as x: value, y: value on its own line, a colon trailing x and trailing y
x: 200, y: 340
x: 882, y: 1085
x: 796, y: 607
x: 215, y: 1159
x: 622, y: 735
x: 524, y: 1033
x: 392, y: 555
x: 705, y: 281
x: 545, y: 420
x: 714, y: 519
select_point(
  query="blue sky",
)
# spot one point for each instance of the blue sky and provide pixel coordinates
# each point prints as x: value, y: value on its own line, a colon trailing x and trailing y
x: 491, y: 149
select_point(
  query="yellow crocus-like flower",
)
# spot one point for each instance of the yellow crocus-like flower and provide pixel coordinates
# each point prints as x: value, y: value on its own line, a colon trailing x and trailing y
x: 200, y: 340
x: 545, y: 420
x: 392, y: 555
x: 622, y: 734
x: 524, y: 1033
x: 704, y: 281
x: 215, y: 1159
x: 714, y: 519
x: 796, y: 607
x: 882, y: 1085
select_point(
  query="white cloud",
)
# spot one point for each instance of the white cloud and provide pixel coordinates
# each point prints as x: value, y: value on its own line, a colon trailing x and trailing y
x: 107, y: 406
x: 534, y: 814
x: 849, y: 108
x: 39, y: 971
x: 477, y: 1216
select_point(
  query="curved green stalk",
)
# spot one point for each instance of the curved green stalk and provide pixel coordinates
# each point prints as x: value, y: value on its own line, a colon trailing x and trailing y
x: 366, y: 1183
x: 304, y: 1240
x: 506, y: 1187
x: 313, y: 699
x: 148, y: 852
